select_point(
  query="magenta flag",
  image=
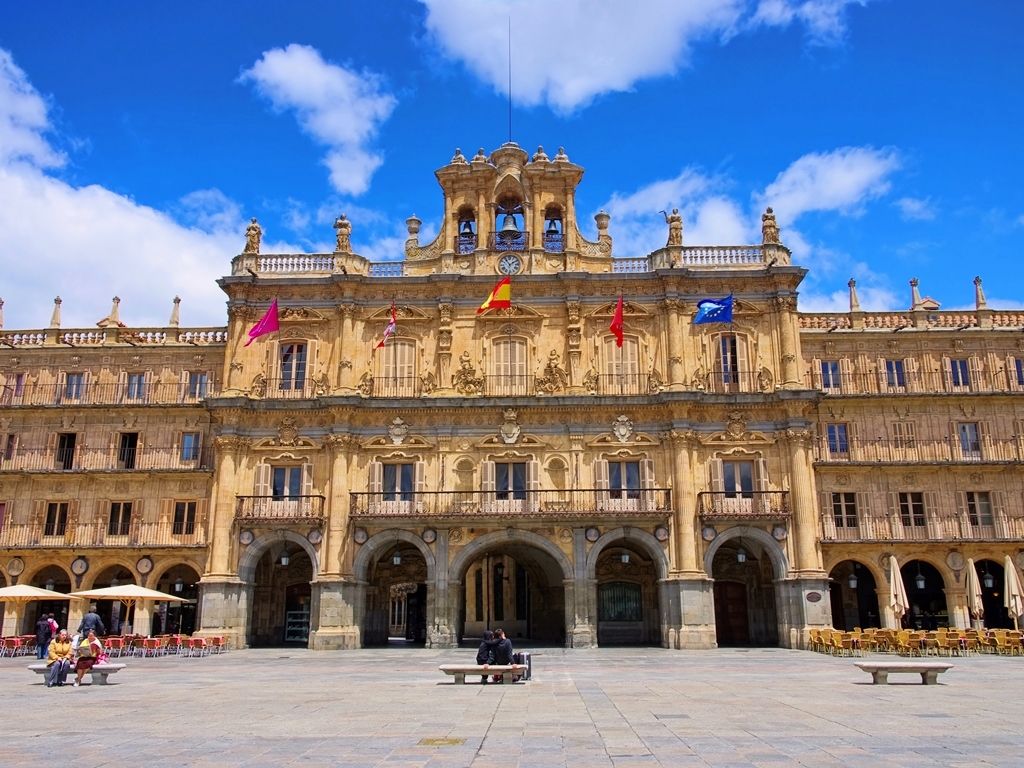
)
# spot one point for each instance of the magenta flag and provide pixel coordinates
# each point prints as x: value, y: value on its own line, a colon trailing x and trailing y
x: 267, y: 324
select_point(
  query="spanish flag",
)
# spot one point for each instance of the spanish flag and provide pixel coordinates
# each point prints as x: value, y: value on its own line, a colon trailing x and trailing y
x: 500, y: 298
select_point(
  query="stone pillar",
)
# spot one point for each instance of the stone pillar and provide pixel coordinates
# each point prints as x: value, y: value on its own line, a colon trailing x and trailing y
x: 676, y: 374
x: 789, y: 342
x: 688, y: 609
x: 442, y: 630
x: 225, y: 607
x: 801, y: 605
x: 13, y: 614
x: 335, y: 541
x: 803, y: 504
x: 341, y: 606
x: 346, y: 374
x: 76, y: 610
x: 580, y: 598
x: 956, y: 605
x: 222, y: 509
x: 885, y: 615
x: 142, y: 621
x: 685, y: 502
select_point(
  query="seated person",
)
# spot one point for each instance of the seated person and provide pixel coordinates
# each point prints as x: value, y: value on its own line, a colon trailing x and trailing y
x: 59, y: 660
x: 89, y: 651
x: 502, y: 651
x: 485, y: 653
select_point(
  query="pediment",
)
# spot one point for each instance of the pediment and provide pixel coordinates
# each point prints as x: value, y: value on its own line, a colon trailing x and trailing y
x: 524, y: 441
x: 744, y: 438
x: 630, y: 311
x: 610, y: 439
x: 300, y: 315
x: 285, y: 453
x: 515, y: 312
x: 384, y: 442
x: 405, y: 313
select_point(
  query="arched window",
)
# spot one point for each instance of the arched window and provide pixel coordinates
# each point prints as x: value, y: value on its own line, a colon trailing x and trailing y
x: 508, y: 233
x: 732, y: 366
x: 508, y: 374
x: 621, y: 368
x: 396, y: 370
x: 554, y: 232
x: 465, y: 238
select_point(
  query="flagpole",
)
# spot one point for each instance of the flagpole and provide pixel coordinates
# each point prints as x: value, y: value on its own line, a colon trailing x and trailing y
x: 394, y: 349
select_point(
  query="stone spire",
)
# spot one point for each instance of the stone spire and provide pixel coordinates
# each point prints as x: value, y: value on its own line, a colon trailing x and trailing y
x: 854, y: 301
x: 113, y: 320
x: 55, y: 317
x: 175, y: 313
x: 915, y: 295
x: 979, y: 298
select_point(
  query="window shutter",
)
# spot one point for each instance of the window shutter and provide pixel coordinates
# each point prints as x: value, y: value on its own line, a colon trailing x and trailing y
x: 183, y: 386
x: 865, y: 520
x: 761, y: 474
x: 140, y: 451
x: 846, y: 376
x: 828, y: 521
x: 985, y: 438
x: 51, y: 447
x: 954, y: 441
x: 647, y: 483
x: 72, y: 527
x: 135, y: 526
x: 419, y: 484
x: 600, y: 470
x: 487, y: 482
x: 210, y: 390
x: 883, y: 382
x: 533, y: 486
x: 821, y: 449
x: 853, y: 440
x: 895, y: 521
x: 148, y: 394
x: 910, y: 373
x: 947, y: 373
x: 963, y: 518
x: 717, y: 475
x: 262, y: 480
x: 112, y: 450
x: 375, y: 478
x: 743, y: 365
x: 307, y: 480
x: 177, y: 460
x: 716, y: 376
x: 932, y: 515
x: 1011, y: 374
x: 121, y: 391
x: 978, y: 383
x: 816, y: 382
x: 1002, y: 526
x: 99, y: 526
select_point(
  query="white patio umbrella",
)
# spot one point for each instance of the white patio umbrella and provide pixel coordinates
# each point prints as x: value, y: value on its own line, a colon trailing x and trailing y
x: 129, y: 594
x: 974, y: 601
x: 1013, y: 595
x: 898, y: 600
x: 20, y: 594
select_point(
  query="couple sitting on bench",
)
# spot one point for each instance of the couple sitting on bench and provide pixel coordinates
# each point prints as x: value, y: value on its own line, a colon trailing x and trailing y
x: 496, y: 649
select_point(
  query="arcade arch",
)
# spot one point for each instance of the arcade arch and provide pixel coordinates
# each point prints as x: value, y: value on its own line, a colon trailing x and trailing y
x: 278, y: 569
x: 854, y: 593
x: 926, y: 590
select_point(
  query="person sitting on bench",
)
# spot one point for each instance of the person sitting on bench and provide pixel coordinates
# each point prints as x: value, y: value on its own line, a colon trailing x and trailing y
x: 59, y: 660
x: 485, y: 653
x: 502, y: 652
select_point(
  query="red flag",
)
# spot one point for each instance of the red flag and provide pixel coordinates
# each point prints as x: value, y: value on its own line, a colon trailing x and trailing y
x: 392, y: 324
x: 267, y: 324
x: 616, y: 326
x: 500, y: 298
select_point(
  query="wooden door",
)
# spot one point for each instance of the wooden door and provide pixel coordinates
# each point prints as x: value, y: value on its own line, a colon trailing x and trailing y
x: 731, y: 622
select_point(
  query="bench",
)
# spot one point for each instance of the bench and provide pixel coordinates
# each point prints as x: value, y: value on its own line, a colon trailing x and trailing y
x: 460, y: 671
x: 99, y: 672
x: 880, y: 670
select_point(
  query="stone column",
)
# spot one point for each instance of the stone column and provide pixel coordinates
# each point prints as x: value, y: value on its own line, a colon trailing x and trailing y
x: 335, y: 541
x: 956, y: 605
x: 885, y: 615
x: 675, y: 345
x: 142, y: 621
x: 76, y: 610
x: 803, y: 505
x: 580, y: 598
x: 228, y: 455
x: 442, y: 628
x: 13, y: 614
x: 685, y: 502
x: 346, y: 373
x: 789, y: 342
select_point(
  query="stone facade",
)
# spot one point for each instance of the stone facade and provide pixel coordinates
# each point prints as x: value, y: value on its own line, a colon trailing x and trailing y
x: 699, y: 484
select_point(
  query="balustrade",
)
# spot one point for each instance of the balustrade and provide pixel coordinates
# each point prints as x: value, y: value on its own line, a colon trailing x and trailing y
x: 934, y: 527
x: 167, y: 533
x: 117, y: 459
x: 950, y: 449
x: 269, y: 509
x: 743, y: 505
x: 81, y: 393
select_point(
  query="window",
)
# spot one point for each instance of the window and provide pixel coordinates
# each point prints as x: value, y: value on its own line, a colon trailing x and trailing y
x: 479, y: 594
x: 286, y: 482
x: 902, y: 434
x: 65, y: 457
x: 912, y: 509
x: 970, y: 441
x: 830, y: 374
x: 293, y: 366
x: 623, y: 367
x: 1018, y: 365
x: 510, y: 367
x: 620, y: 601
x: 74, y: 384
x: 56, y: 519
x: 13, y: 388
x: 730, y: 360
x: 959, y: 373
x: 8, y: 447
x: 499, y: 591
x: 844, y: 509
x: 837, y: 439
x: 510, y: 481
x: 190, y: 442
x: 398, y: 482
x: 895, y: 374
x: 120, y: 518
x: 127, y: 450
x: 184, y: 518
x: 738, y: 479
x: 624, y: 479
x: 979, y: 508
x: 397, y: 369
x: 136, y: 386
x: 19, y: 384
x: 196, y: 386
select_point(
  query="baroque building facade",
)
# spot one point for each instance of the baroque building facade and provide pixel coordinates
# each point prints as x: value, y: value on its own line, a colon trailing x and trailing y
x: 700, y: 484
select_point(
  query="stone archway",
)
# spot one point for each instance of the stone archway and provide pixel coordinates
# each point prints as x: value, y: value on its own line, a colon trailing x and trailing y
x: 251, y: 556
x: 774, y: 550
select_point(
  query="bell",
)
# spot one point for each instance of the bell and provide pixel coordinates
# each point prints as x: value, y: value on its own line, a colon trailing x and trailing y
x: 509, y: 229
x: 467, y: 227
x: 552, y: 227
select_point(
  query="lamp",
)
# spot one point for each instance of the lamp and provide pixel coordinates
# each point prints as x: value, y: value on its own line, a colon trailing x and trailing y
x: 397, y: 558
x: 987, y: 579
x: 284, y: 559
x: 179, y: 585
x: 919, y: 581
x: 625, y: 557
x: 500, y: 569
x: 114, y: 582
x: 741, y: 555
x: 50, y: 584
x: 852, y: 581
x: 509, y: 229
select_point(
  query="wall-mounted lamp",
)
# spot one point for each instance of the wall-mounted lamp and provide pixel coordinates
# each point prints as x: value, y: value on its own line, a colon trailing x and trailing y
x: 987, y: 579
x: 741, y: 555
x: 919, y: 581
x: 852, y: 581
x: 114, y: 582
x: 179, y: 585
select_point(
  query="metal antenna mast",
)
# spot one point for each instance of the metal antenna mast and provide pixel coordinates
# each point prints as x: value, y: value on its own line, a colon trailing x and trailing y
x: 509, y: 79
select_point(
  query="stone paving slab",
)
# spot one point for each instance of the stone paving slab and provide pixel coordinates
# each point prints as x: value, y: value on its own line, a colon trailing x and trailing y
x: 606, y: 707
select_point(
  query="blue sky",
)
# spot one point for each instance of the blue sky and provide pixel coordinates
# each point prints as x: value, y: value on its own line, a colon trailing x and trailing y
x: 135, y: 141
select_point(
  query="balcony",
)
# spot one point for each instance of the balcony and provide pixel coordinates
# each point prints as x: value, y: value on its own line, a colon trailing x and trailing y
x: 391, y: 386
x: 97, y: 534
x: 749, y: 505
x: 85, y: 394
x: 83, y: 459
x: 949, y: 450
x: 465, y: 244
x: 912, y: 382
x: 518, y: 241
x: 497, y: 385
x: 722, y: 382
x: 624, y: 384
x: 294, y: 388
x: 279, y: 509
x: 928, y: 528
x: 652, y: 503
x: 554, y: 242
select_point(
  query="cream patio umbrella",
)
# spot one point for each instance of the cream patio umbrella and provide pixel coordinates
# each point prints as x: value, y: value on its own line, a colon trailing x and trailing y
x: 898, y: 600
x: 129, y: 594
x: 20, y: 594
x: 974, y: 601
x: 1013, y: 595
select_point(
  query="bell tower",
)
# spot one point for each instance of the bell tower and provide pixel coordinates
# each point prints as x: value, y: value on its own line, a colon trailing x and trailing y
x: 508, y: 214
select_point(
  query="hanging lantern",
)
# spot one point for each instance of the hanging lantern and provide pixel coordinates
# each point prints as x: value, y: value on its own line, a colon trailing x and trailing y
x: 987, y: 579
x: 50, y: 584
x: 625, y: 557
x: 284, y: 560
x: 397, y: 558
x: 852, y: 581
x: 741, y: 556
x: 179, y: 585
x: 114, y: 582
x: 919, y: 581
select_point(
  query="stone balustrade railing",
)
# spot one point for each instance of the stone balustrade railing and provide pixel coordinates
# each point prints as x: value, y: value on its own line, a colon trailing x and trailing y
x: 110, y: 336
x: 956, y: 320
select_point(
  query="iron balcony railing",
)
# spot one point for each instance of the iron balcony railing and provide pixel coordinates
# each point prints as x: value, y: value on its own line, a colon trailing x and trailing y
x: 84, y: 459
x: 391, y: 386
x: 497, y: 385
x: 625, y: 384
x: 554, y: 242
x: 743, y: 505
x: 647, y: 502
x: 279, y: 508
x: 97, y: 534
x: 730, y: 382
x: 950, y: 450
x: 294, y: 388
x: 902, y: 381
x: 465, y: 244
x: 930, y: 527
x: 519, y: 241
x: 88, y: 393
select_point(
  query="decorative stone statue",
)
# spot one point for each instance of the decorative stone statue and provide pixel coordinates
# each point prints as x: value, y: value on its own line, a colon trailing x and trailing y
x: 253, y: 235
x: 675, y: 227
x: 344, y: 227
x: 539, y: 156
x: 769, y: 229
x: 459, y: 159
x: 561, y: 157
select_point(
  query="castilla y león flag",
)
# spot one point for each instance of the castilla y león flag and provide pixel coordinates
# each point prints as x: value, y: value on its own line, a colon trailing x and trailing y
x: 616, y: 326
x: 267, y: 324
x: 392, y: 325
x: 500, y: 298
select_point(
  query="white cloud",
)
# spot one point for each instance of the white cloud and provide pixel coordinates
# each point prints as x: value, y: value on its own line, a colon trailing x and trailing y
x: 340, y: 108
x: 23, y: 119
x: 841, y: 180
x: 565, y: 54
x: 872, y: 299
x: 915, y: 209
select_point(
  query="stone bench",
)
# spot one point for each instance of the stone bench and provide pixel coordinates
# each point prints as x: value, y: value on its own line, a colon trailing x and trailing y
x: 99, y: 672
x: 460, y: 671
x: 880, y: 670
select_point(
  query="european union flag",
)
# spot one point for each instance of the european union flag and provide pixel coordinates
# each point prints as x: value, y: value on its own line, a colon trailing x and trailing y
x: 714, y: 311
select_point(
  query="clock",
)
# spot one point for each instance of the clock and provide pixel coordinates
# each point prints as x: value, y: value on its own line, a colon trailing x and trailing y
x: 509, y: 264
x: 144, y: 566
x: 79, y: 566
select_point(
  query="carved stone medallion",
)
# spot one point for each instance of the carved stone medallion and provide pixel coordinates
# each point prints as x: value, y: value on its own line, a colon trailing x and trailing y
x: 510, y: 429
x: 398, y: 431
x: 622, y: 428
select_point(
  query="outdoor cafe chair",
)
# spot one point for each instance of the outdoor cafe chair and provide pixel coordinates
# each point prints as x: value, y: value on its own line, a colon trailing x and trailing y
x: 115, y: 646
x: 197, y: 646
x: 11, y: 647
x: 218, y: 645
x: 151, y: 646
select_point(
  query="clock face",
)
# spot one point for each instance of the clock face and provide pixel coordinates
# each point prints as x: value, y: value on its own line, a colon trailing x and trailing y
x: 509, y: 264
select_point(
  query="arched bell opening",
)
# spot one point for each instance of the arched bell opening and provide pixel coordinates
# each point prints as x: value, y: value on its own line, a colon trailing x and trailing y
x: 466, y: 234
x: 509, y: 233
x: 554, y: 229
x: 396, y: 598
x: 854, y: 596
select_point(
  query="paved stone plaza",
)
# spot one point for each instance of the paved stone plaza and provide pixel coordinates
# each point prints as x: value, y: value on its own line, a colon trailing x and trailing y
x: 607, y: 707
